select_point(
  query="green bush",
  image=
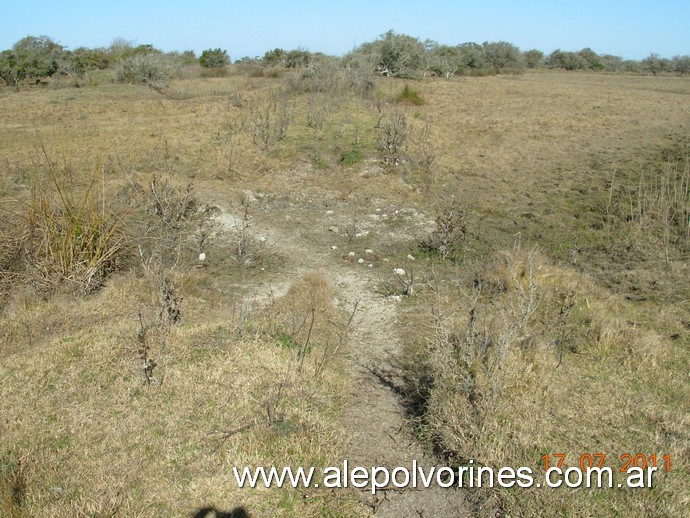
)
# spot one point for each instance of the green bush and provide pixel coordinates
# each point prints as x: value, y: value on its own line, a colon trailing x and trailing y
x: 214, y: 58
x: 30, y: 57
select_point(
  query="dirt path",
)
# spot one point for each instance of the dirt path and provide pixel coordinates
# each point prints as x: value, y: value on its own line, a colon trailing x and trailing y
x: 375, y: 420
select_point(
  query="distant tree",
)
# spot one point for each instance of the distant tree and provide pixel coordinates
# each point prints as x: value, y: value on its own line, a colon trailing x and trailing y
x: 393, y: 55
x: 630, y: 65
x: 84, y: 59
x: 681, y: 64
x: 121, y: 48
x: 565, y: 60
x: 214, y: 58
x: 298, y: 58
x: 275, y: 58
x: 188, y: 57
x: 443, y: 60
x: 611, y: 63
x: 655, y: 64
x: 472, y: 55
x: 591, y: 59
x: 247, y: 60
x: 534, y: 58
x: 154, y: 70
x: 502, y: 55
x: 9, y: 71
x: 30, y: 57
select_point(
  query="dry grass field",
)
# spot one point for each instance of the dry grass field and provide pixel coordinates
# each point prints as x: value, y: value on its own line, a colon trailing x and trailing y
x: 178, y: 293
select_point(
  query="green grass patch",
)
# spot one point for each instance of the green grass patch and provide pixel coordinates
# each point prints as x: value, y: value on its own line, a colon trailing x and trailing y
x: 410, y: 96
x: 351, y: 157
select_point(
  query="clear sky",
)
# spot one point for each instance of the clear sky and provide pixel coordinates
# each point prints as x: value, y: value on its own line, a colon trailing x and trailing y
x: 631, y: 29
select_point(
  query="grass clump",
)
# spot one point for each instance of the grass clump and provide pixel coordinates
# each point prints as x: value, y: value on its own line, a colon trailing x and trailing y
x: 73, y: 236
x: 12, y: 487
x: 656, y: 207
x: 410, y: 96
x: 351, y: 157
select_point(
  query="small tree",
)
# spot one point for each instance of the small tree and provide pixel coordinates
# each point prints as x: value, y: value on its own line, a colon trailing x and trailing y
x: 297, y: 58
x: 655, y: 64
x: 274, y: 58
x: 591, y: 58
x: 188, y: 57
x: 681, y: 64
x: 611, y: 63
x: 534, y: 58
x: 565, y: 60
x: 502, y: 55
x: 154, y: 70
x: 9, y: 71
x: 214, y: 58
x: 472, y: 55
x: 33, y: 56
x: 393, y: 55
x: 443, y: 60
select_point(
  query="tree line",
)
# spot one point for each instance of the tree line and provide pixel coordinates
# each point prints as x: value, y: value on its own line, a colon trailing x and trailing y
x: 391, y: 55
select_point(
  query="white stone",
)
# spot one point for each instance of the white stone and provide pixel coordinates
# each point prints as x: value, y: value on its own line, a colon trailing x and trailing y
x: 410, y: 257
x: 399, y: 271
x: 329, y: 212
x: 360, y: 260
x: 368, y: 251
x: 351, y: 254
x: 334, y: 247
x: 202, y: 256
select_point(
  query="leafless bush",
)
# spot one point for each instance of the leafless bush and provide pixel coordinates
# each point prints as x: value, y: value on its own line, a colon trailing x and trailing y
x: 159, y: 231
x: 154, y: 70
x: 421, y: 150
x: 468, y: 354
x: 449, y: 238
x: 392, y: 140
x: 243, y: 241
x: 269, y: 124
x: 316, y: 114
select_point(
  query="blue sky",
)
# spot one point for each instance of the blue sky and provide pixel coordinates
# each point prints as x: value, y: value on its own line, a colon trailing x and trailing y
x: 631, y: 29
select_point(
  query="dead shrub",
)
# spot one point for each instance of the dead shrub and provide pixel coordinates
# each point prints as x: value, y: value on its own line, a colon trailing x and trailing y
x: 167, y: 210
x: 448, y: 241
x: 268, y: 124
x: 392, y: 139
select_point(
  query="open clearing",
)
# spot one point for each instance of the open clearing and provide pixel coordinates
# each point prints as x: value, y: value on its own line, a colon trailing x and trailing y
x: 551, y: 315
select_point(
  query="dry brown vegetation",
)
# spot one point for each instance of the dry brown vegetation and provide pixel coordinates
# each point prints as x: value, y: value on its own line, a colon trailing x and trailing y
x: 553, y: 317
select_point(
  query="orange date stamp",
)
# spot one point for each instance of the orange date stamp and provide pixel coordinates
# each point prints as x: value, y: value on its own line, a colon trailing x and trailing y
x: 598, y: 460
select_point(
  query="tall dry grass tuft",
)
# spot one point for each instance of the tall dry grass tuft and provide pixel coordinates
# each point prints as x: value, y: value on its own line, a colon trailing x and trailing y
x: 662, y: 204
x: 13, y: 487
x: 73, y: 235
x: 656, y: 208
